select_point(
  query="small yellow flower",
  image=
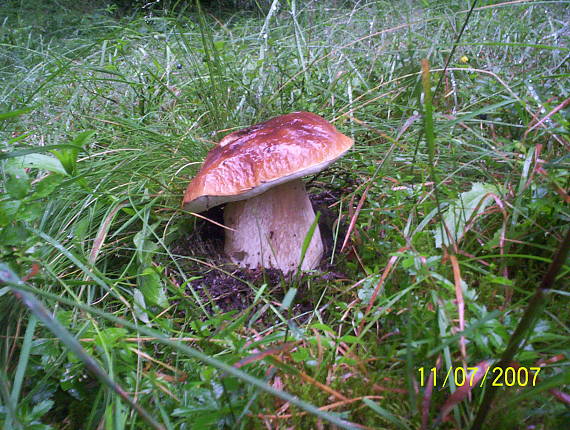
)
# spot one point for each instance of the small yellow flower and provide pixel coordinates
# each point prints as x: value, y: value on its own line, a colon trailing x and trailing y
x: 464, y: 59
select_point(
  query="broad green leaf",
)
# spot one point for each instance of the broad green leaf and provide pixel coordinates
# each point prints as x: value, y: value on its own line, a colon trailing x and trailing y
x: 17, y: 183
x: 16, y: 235
x: 31, y: 211
x: 47, y: 186
x: 140, y: 306
x: 42, y: 408
x: 111, y: 336
x: 144, y: 246
x: 323, y: 327
x: 27, y: 151
x: 302, y: 354
x: 8, y: 211
x: 460, y: 211
x: 67, y: 158
x: 82, y: 138
x: 150, y: 285
x: 350, y: 339
x: 39, y: 161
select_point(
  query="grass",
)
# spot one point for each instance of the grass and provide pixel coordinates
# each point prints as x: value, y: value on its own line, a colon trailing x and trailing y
x: 449, y: 212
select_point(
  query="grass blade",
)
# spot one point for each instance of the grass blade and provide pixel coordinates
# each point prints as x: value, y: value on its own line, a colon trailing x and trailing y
x: 21, y: 369
x: 526, y: 323
x: 42, y: 314
x: 8, y: 278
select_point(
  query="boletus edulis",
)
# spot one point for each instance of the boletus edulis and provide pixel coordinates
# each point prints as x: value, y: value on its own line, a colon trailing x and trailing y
x: 256, y: 172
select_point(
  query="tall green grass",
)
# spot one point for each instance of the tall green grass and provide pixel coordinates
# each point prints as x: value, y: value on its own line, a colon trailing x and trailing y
x: 455, y: 202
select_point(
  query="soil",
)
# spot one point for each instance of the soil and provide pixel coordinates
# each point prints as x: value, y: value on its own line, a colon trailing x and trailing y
x: 224, y: 286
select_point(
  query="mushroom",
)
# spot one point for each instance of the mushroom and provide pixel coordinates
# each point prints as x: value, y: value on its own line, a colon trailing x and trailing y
x: 257, y: 173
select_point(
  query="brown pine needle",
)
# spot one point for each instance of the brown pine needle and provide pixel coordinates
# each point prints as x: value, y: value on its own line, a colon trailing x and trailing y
x: 316, y: 383
x: 460, y: 305
x: 354, y: 218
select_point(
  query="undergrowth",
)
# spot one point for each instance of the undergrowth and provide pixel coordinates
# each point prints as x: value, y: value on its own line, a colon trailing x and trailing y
x: 442, y: 220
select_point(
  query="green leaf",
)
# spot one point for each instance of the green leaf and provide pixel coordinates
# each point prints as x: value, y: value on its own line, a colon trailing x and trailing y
x: 82, y: 138
x: 489, y: 108
x: 388, y: 416
x: 144, y: 246
x: 17, y: 183
x: 323, y: 327
x: 68, y: 156
x: 110, y: 337
x: 350, y: 339
x: 31, y: 211
x: 8, y: 211
x: 14, y: 113
x: 70, y: 341
x: 140, y: 306
x: 289, y: 297
x: 39, y: 161
x: 42, y: 408
x: 16, y: 235
x: 302, y: 354
x: 460, y: 211
x: 307, y: 240
x: 150, y: 285
x: 47, y: 186
x: 27, y: 151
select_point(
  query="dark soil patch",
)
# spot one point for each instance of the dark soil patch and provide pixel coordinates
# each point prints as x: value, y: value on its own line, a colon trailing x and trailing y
x: 206, y: 239
x: 231, y: 292
x: 225, y: 287
x: 225, y: 292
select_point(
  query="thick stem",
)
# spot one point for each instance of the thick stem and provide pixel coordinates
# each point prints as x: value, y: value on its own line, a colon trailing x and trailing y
x: 269, y: 229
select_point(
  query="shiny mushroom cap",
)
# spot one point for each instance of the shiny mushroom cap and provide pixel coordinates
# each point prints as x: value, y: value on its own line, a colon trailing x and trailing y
x: 248, y: 162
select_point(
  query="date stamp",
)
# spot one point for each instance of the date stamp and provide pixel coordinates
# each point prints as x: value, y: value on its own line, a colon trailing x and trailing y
x: 479, y: 376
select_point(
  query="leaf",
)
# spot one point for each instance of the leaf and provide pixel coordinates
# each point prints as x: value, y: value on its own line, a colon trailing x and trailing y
x: 41, y: 408
x: 150, y: 285
x: 39, y: 161
x: 307, y: 240
x: 289, y: 297
x: 82, y: 138
x: 323, y: 327
x: 350, y: 339
x: 476, y: 373
x: 460, y: 211
x: 388, y: 416
x: 47, y: 186
x: 302, y: 354
x: 8, y: 211
x: 27, y: 151
x: 111, y: 336
x: 14, y: 113
x: 144, y: 246
x: 17, y: 183
x: 140, y: 306
x: 16, y: 235
x: 68, y: 156
x: 31, y: 211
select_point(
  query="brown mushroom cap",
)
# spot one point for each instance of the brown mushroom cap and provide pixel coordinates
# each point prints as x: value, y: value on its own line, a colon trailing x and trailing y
x: 248, y: 162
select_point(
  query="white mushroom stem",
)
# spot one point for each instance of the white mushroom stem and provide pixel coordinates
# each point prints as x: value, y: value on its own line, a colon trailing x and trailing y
x: 269, y: 229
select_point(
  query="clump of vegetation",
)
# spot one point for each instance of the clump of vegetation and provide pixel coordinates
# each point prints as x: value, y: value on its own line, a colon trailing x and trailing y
x: 450, y: 212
